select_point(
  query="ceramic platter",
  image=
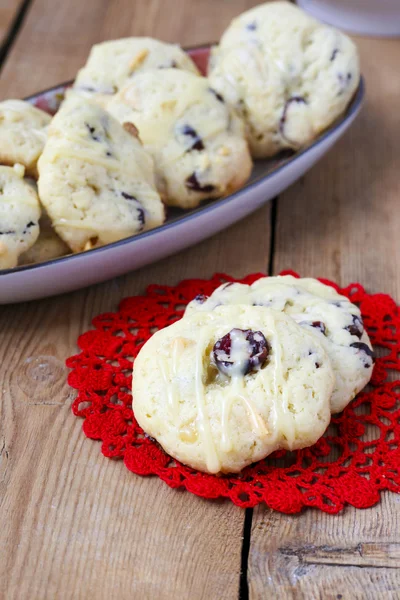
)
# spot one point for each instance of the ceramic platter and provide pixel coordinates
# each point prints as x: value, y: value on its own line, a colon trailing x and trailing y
x: 181, y: 229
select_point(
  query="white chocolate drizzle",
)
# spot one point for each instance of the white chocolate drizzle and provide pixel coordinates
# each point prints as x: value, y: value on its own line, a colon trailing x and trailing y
x: 283, y: 417
x: 169, y: 386
x: 234, y: 392
x: 204, y: 426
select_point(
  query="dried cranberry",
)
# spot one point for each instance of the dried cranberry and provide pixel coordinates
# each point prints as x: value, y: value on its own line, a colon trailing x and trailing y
x: 139, y: 208
x: 200, y: 298
x: 316, y: 324
x: 217, y: 95
x: 334, y: 54
x: 357, y: 327
x: 172, y: 65
x: 251, y: 26
x: 28, y: 226
x: 197, y: 141
x: 344, y: 81
x: 92, y: 131
x: 292, y: 100
x: 366, y: 350
x: 193, y: 184
x: 128, y: 196
x: 253, y: 348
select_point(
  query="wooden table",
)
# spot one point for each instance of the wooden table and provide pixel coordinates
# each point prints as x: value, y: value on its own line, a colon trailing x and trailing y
x: 75, y: 525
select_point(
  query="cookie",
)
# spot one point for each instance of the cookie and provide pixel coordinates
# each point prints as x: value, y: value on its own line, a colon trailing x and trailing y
x: 22, y: 134
x: 111, y: 64
x: 196, y: 140
x: 222, y: 389
x: 287, y: 75
x: 329, y: 316
x: 47, y: 246
x: 95, y: 179
x: 19, y: 215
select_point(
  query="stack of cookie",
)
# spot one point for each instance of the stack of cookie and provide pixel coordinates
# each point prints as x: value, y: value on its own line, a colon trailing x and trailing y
x: 141, y: 129
x: 250, y: 370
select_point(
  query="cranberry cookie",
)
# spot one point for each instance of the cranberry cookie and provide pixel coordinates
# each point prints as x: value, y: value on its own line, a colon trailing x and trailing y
x: 222, y: 389
x: 196, y: 140
x: 22, y: 134
x: 327, y: 315
x: 96, y: 181
x: 287, y: 75
x: 112, y: 64
x: 19, y: 215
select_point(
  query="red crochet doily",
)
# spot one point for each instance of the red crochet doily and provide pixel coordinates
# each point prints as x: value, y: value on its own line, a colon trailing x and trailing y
x: 357, y: 458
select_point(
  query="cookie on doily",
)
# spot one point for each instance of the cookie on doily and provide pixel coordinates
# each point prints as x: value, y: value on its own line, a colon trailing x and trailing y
x: 329, y: 316
x: 222, y: 389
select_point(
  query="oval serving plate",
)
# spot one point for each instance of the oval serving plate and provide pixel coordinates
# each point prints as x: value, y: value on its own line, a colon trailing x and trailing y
x: 181, y: 229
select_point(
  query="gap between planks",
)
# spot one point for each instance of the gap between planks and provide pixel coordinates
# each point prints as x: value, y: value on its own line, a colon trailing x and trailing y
x: 248, y: 519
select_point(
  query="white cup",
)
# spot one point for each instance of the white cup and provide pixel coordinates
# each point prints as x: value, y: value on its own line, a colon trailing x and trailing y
x: 364, y: 17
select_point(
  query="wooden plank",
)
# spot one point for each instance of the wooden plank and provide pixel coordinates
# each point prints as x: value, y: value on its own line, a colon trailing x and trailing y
x: 72, y: 523
x: 341, y: 222
x: 9, y: 10
x: 57, y: 37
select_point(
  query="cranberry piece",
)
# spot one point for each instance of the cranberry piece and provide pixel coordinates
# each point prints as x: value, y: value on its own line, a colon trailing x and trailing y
x: 217, y: 95
x: 193, y: 184
x: 316, y: 324
x: 28, y: 226
x: 200, y: 298
x: 251, y: 26
x: 252, y: 347
x: 141, y: 216
x: 357, y: 327
x: 292, y: 100
x: 197, y: 141
x: 344, y: 81
x: 316, y: 363
x: 320, y: 326
x: 366, y: 350
x: 172, y: 65
x: 92, y: 131
x: 334, y: 54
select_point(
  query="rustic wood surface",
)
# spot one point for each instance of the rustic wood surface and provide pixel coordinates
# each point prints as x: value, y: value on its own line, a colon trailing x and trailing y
x: 342, y: 222
x: 9, y: 11
x: 75, y: 525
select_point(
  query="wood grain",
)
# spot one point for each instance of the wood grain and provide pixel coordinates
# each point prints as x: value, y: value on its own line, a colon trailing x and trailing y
x: 8, y: 11
x: 76, y: 525
x: 341, y: 221
x: 72, y: 523
x: 56, y: 38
